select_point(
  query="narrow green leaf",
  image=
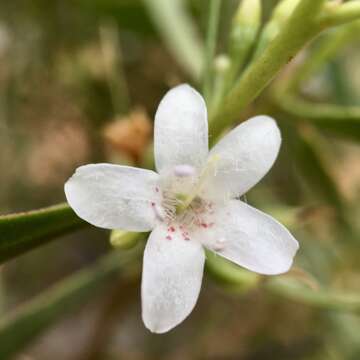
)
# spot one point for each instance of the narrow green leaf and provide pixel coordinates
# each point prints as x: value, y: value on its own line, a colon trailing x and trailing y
x: 243, y: 33
x: 24, y: 325
x: 179, y: 33
x: 322, y: 298
x: 343, y: 121
x: 338, y: 13
x: 25, y: 231
x: 328, y: 46
x: 210, y: 46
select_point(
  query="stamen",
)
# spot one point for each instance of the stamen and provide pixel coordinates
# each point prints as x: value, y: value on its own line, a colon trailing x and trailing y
x: 159, y: 212
x: 185, y: 208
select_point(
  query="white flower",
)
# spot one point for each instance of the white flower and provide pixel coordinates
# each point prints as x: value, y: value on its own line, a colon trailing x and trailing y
x: 190, y: 203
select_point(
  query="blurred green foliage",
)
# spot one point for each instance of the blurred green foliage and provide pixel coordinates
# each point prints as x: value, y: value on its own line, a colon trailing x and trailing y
x: 70, y: 71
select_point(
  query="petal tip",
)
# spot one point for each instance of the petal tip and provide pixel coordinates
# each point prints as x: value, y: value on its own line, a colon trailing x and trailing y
x: 189, y: 89
x: 184, y: 86
x: 155, y: 326
x: 266, y: 120
x: 287, y: 264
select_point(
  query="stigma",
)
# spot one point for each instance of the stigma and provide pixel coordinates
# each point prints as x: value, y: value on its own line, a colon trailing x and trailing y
x: 184, y: 170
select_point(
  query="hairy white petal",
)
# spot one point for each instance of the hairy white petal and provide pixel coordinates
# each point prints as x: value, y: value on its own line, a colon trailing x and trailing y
x: 114, y: 196
x: 181, y: 129
x: 171, y: 279
x: 252, y: 239
x: 243, y: 157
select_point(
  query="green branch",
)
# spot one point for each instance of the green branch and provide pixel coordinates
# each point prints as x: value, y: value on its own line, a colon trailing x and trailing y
x: 279, y: 16
x: 301, y: 27
x: 25, y: 231
x: 338, y: 14
x: 28, y: 322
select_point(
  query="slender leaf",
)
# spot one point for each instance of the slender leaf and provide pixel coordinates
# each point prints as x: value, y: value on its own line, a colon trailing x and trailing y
x: 322, y: 298
x: 178, y: 32
x: 342, y: 121
x: 245, y: 27
x: 25, y: 231
x: 210, y: 49
x: 328, y: 47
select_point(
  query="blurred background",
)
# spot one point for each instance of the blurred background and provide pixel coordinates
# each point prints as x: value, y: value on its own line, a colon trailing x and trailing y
x: 79, y: 83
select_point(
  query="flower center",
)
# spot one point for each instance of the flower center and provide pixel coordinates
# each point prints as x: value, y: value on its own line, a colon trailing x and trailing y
x: 186, y: 201
x: 183, y: 201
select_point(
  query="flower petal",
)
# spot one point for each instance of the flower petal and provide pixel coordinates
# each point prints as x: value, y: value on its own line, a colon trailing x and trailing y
x: 181, y: 129
x: 114, y: 196
x: 171, y: 279
x: 252, y: 239
x: 244, y: 156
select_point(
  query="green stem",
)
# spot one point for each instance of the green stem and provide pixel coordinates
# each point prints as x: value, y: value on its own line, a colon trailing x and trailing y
x: 25, y: 324
x: 343, y: 121
x: 338, y: 14
x: 210, y: 46
x: 321, y: 298
x: 222, y: 66
x: 298, y: 30
x: 279, y: 16
x: 25, y: 231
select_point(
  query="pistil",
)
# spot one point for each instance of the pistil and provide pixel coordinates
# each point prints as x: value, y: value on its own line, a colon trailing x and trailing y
x: 185, y: 203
